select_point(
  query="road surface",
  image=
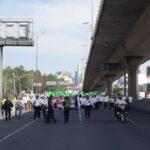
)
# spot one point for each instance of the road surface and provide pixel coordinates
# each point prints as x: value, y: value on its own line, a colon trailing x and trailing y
x: 101, y: 132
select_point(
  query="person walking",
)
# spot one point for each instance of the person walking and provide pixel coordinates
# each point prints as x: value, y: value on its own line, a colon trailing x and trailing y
x: 76, y: 102
x: 88, y: 106
x: 7, y: 107
x: 25, y: 101
x: 44, y: 105
x: 66, y: 105
x: 81, y: 108
x: 37, y: 107
x: 19, y: 106
x: 50, y: 112
x: 2, y: 106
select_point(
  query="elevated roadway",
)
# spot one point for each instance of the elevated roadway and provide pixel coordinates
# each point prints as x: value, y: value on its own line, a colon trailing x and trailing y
x: 122, y: 35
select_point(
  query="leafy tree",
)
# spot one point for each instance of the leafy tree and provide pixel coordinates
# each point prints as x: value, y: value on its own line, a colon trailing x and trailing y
x: 117, y: 89
x: 26, y: 79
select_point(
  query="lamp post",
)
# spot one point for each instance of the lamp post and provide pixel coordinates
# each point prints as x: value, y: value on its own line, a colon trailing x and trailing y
x: 85, y: 45
x: 84, y: 65
x: 85, y: 59
x: 37, y: 46
x: 5, y: 84
x: 92, y: 17
x: 13, y: 74
x: 1, y: 71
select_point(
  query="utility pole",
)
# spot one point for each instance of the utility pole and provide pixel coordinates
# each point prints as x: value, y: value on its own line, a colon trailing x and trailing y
x: 14, y: 83
x: 92, y: 17
x: 37, y: 49
x: 86, y: 43
x: 1, y: 72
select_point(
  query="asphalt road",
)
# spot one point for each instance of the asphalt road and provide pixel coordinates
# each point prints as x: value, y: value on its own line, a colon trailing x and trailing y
x: 101, y: 132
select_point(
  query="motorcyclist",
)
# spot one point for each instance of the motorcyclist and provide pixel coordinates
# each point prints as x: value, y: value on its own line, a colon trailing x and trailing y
x: 118, y: 103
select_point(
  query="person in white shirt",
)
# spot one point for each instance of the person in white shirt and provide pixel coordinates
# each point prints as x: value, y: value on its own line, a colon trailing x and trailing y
x: 24, y: 101
x: 101, y: 102
x: 18, y: 108
x: 97, y: 101
x: 111, y: 102
x: 44, y: 103
x: 94, y: 101
x: 118, y: 102
x: 81, y: 108
x: 37, y: 103
x: 88, y: 106
x: 128, y: 100
x: 106, y: 101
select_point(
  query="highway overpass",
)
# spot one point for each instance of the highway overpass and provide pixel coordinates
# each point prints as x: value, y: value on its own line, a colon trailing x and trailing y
x: 121, y: 35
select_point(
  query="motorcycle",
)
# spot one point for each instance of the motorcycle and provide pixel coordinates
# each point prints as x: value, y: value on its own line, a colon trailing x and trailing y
x: 121, y: 112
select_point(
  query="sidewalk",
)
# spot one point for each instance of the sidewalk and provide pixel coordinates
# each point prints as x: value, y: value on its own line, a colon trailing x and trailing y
x: 12, y: 113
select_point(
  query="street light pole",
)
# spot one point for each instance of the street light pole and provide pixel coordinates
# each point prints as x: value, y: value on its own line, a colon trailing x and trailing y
x: 92, y: 17
x: 37, y: 46
x: 86, y: 23
x: 1, y: 72
x: 36, y: 76
x: 84, y: 66
x: 85, y: 53
x: 5, y: 84
x: 19, y: 86
x: 14, y: 83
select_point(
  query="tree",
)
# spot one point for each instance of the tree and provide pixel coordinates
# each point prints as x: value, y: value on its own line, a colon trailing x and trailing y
x: 117, y: 89
x: 51, y: 77
x: 25, y: 80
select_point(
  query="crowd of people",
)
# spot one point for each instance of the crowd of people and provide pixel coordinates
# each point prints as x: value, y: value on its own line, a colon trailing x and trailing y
x: 46, y: 106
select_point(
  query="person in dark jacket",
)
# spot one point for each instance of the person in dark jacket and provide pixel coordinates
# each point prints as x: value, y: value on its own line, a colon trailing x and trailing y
x: 76, y: 102
x: 66, y: 105
x: 50, y: 112
x: 7, y: 107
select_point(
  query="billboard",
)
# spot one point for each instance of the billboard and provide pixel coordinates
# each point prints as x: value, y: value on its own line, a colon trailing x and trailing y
x: 37, y: 84
x: 51, y: 83
x: 57, y: 83
x: 16, y: 32
x: 63, y: 83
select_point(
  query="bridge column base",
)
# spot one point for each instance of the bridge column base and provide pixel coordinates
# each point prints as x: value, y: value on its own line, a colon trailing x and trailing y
x: 109, y: 80
x: 132, y: 64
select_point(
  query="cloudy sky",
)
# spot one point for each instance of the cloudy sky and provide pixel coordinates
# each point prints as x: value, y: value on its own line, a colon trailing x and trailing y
x: 61, y: 47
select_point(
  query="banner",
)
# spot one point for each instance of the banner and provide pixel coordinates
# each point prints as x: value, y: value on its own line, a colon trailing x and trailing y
x: 71, y: 93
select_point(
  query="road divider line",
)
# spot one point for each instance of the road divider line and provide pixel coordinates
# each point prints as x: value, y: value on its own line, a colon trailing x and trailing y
x: 128, y: 119
x: 15, y: 132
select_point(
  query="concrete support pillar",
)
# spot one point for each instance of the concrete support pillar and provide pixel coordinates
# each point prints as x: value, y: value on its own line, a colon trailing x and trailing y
x: 132, y: 64
x: 109, y: 80
x: 1, y: 71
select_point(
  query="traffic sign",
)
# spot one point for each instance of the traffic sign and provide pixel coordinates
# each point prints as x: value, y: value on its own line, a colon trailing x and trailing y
x: 37, y: 84
x: 51, y: 83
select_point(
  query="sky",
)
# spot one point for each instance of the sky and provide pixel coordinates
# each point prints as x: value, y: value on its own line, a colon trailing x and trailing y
x: 61, y: 47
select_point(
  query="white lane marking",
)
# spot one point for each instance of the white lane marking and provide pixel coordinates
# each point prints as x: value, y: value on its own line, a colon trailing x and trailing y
x: 15, y: 132
x: 9, y: 125
x: 128, y: 119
